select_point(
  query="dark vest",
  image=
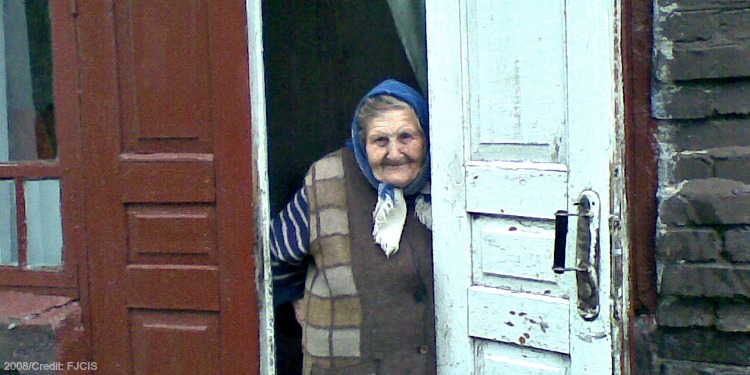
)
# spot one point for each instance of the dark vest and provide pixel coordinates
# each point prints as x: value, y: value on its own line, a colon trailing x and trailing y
x: 365, y: 313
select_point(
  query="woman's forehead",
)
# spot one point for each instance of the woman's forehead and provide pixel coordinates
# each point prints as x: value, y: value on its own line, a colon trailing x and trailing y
x: 394, y: 119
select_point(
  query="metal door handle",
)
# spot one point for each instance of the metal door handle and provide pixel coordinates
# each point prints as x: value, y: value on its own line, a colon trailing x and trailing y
x: 561, y: 239
x: 587, y: 251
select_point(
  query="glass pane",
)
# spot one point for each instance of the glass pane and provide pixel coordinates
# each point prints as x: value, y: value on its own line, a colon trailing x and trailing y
x: 27, y: 121
x: 43, y: 223
x: 8, y: 231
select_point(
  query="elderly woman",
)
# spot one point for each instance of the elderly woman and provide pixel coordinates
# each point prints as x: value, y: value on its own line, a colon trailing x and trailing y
x: 353, y: 247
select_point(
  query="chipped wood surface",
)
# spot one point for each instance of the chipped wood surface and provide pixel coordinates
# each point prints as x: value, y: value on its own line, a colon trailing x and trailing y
x: 524, y: 118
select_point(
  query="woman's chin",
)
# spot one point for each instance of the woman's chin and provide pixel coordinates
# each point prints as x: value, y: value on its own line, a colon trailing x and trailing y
x: 398, y: 178
x: 398, y: 182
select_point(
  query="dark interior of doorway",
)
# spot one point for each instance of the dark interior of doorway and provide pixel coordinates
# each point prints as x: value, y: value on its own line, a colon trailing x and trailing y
x: 321, y: 57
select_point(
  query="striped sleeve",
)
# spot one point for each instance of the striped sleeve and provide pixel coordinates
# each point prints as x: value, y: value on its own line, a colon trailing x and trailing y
x: 290, y: 243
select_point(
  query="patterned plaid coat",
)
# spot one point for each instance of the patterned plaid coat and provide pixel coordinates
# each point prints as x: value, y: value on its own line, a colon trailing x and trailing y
x: 364, y: 313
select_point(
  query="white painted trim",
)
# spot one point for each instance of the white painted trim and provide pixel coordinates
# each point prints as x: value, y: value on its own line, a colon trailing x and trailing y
x: 594, y: 90
x: 519, y: 165
x: 451, y: 231
x: 618, y: 218
x: 262, y: 215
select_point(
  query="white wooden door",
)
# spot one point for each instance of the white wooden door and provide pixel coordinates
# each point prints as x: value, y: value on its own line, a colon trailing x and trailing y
x: 523, y: 106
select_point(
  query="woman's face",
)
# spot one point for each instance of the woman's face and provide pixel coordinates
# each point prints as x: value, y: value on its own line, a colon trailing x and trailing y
x: 395, y: 147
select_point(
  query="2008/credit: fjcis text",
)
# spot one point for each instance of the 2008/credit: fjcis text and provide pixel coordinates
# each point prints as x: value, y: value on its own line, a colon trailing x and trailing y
x: 54, y: 366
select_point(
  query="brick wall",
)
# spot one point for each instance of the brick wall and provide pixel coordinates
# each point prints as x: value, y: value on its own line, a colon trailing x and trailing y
x: 701, y: 100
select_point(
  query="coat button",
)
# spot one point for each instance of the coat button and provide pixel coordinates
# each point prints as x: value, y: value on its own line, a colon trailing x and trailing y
x: 423, y: 349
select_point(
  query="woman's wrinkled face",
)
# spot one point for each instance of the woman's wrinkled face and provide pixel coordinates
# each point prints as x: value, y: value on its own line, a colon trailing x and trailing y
x: 395, y: 147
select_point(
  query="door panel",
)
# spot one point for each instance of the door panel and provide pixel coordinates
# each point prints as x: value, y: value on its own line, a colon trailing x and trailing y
x: 163, y: 52
x: 172, y: 286
x: 159, y: 179
x: 516, y: 188
x: 497, y: 359
x: 165, y: 233
x: 167, y: 159
x: 526, y: 319
x: 531, y: 131
x: 516, y: 70
x: 185, y: 341
x: 513, y: 253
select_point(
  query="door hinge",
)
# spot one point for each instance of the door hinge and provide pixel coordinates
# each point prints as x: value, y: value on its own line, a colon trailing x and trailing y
x: 73, y: 8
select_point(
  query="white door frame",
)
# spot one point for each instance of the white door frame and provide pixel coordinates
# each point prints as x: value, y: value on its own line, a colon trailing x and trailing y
x: 593, y: 56
x: 261, y: 197
x: 447, y: 105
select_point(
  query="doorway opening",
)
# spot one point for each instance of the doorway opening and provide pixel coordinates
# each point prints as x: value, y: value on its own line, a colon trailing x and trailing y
x: 320, y: 57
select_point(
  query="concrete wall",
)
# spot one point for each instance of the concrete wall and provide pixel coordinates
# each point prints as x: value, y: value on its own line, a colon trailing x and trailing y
x: 701, y: 99
x: 41, y: 334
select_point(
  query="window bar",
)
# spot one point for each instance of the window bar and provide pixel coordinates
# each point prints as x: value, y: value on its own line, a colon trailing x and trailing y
x: 21, y: 220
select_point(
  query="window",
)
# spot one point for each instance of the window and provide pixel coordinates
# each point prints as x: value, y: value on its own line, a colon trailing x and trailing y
x: 38, y: 144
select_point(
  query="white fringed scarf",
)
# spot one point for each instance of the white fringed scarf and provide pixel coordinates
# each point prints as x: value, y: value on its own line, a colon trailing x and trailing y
x: 389, y: 216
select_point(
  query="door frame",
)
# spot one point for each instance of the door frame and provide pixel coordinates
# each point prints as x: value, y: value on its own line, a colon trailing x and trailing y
x: 261, y: 195
x: 449, y: 80
x: 446, y: 82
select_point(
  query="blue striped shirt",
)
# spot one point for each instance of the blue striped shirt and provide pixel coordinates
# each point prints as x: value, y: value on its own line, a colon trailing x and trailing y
x: 290, y: 249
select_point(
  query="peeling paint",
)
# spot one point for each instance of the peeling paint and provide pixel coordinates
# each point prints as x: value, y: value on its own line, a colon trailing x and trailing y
x: 543, y: 326
x: 661, y: 43
x: 666, y: 163
x: 660, y: 96
x: 517, y: 125
x: 556, y: 148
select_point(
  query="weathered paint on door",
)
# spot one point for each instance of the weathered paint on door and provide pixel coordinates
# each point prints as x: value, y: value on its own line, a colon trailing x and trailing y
x: 523, y: 115
x: 167, y: 166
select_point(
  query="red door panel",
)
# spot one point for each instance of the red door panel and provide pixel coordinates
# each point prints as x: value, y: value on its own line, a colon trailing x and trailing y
x: 163, y: 64
x: 167, y: 233
x: 192, y: 339
x: 167, y: 165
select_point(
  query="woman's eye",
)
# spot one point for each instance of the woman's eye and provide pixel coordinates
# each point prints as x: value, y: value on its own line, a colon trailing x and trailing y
x: 405, y: 137
x: 381, y: 141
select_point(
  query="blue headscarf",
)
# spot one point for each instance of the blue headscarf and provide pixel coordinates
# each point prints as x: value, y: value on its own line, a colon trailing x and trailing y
x: 407, y: 94
x: 390, y: 211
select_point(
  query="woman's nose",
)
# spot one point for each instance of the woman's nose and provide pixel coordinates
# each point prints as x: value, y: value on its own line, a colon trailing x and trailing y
x: 394, y: 151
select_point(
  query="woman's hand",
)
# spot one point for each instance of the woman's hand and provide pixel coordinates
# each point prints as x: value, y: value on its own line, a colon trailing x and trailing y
x: 299, y: 312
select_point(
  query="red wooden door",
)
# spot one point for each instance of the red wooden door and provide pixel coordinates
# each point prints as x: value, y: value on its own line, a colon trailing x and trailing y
x: 167, y: 168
